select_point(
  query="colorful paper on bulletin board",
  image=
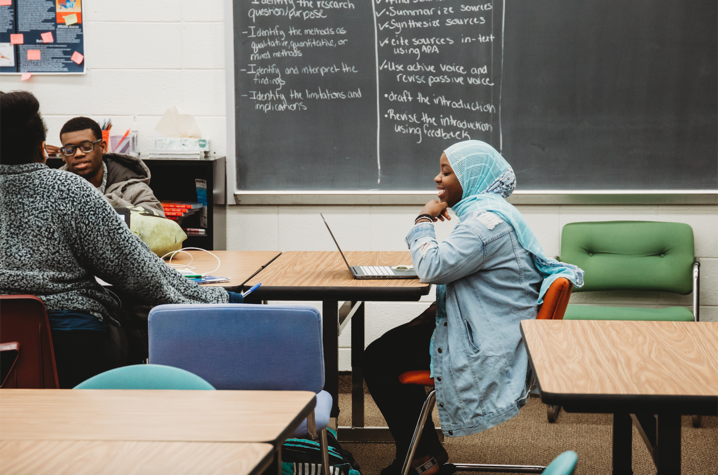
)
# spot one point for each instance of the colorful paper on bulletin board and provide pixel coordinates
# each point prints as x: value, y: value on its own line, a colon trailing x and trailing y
x: 50, y: 33
x: 69, y: 8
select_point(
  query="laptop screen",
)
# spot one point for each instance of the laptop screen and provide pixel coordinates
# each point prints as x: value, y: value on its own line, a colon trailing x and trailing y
x: 335, y: 242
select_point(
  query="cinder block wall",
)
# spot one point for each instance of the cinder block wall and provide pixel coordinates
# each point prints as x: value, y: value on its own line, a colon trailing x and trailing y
x: 145, y: 56
x: 141, y: 57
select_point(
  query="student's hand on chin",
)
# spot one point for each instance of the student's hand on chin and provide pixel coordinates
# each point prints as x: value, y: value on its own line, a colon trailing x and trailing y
x: 437, y: 210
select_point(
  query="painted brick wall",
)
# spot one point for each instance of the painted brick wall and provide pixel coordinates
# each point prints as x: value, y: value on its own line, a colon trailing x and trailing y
x: 142, y: 57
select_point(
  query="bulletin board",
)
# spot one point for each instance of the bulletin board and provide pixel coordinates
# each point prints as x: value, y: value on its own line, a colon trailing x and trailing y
x: 42, y: 37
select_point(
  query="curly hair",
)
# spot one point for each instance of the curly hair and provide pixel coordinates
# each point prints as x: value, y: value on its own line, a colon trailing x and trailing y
x: 22, y: 130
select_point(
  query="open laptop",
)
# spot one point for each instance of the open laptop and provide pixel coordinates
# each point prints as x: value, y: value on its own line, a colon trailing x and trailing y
x: 374, y: 272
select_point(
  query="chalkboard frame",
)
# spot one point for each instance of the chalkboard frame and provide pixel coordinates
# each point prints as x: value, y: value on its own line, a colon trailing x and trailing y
x: 405, y: 197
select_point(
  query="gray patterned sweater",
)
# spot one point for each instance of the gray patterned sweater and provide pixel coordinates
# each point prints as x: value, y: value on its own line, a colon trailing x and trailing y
x: 57, y: 233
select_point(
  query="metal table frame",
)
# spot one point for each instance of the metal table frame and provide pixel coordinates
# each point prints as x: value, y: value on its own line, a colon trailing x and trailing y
x: 657, y: 418
x: 335, y: 319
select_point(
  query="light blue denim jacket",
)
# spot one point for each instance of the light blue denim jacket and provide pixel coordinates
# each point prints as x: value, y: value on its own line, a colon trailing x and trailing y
x: 480, y: 364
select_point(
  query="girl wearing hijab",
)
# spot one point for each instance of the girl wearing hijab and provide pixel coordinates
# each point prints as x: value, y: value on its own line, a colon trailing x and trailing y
x: 490, y: 274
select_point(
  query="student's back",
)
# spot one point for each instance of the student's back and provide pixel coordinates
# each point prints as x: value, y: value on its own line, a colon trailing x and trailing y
x: 56, y: 234
x: 59, y: 233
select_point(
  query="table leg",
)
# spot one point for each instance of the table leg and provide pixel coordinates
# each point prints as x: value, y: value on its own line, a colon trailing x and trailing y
x: 622, y: 444
x: 357, y: 351
x: 330, y: 337
x: 275, y: 467
x: 668, y: 444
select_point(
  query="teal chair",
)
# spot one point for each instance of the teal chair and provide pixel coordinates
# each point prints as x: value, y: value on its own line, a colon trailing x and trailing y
x: 146, y: 376
x: 564, y: 464
x: 633, y: 256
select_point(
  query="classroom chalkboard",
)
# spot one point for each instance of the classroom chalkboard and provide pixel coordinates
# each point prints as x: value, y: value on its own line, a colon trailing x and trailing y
x: 577, y: 95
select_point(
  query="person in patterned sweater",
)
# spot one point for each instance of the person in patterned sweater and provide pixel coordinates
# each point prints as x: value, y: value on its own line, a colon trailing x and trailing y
x: 57, y: 233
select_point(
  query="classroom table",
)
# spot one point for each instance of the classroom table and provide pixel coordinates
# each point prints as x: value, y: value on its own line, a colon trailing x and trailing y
x: 239, y: 266
x: 154, y: 415
x: 313, y: 275
x: 39, y: 457
x: 646, y: 372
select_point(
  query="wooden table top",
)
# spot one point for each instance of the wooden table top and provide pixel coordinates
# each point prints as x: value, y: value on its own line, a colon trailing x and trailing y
x: 91, y: 457
x: 149, y: 415
x: 237, y: 265
x: 326, y: 269
x: 639, y: 360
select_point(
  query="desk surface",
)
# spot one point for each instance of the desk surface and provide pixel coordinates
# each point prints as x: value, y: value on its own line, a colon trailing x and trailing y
x: 124, y: 457
x: 317, y: 274
x: 237, y: 265
x: 603, y: 363
x: 186, y: 416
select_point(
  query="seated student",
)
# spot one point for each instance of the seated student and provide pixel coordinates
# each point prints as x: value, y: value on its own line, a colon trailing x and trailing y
x: 124, y: 180
x: 57, y: 234
x: 491, y: 274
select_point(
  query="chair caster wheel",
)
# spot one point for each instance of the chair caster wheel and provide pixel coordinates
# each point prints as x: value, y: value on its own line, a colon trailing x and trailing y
x: 696, y: 421
x: 552, y: 412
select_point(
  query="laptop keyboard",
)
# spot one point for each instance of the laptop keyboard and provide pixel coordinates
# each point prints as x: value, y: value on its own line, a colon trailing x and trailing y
x: 376, y: 270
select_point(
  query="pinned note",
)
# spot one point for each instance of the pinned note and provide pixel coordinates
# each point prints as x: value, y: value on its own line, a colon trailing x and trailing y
x: 33, y: 55
x: 47, y: 37
x: 77, y: 57
x: 17, y: 39
x: 5, y: 3
x: 71, y: 19
x: 25, y: 76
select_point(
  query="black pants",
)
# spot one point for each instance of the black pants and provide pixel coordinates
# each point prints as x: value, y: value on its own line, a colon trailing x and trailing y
x: 80, y: 355
x: 404, y: 348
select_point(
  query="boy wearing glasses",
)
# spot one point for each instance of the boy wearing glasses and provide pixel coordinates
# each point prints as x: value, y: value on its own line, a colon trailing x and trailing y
x: 122, y: 179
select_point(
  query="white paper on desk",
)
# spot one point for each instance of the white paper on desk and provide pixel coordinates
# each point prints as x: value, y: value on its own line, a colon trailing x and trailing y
x: 177, y: 123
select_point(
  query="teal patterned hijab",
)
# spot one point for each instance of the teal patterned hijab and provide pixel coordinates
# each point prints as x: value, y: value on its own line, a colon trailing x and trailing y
x: 487, y: 179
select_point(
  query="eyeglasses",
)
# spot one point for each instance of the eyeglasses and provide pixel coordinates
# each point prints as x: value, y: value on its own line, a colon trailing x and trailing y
x: 86, y: 147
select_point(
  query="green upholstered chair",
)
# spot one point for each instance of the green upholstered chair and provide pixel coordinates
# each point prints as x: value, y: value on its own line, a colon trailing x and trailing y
x: 635, y: 256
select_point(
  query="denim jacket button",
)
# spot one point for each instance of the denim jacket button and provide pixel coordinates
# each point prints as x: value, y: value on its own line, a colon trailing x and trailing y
x: 451, y: 432
x: 440, y: 350
x: 441, y: 404
x: 438, y: 378
x: 445, y: 323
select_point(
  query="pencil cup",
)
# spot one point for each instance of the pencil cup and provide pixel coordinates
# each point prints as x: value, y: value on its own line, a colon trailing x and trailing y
x: 120, y: 144
x: 106, y: 138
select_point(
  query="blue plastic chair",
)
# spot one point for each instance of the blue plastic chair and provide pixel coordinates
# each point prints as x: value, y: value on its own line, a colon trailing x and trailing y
x: 145, y: 376
x: 248, y: 347
x: 564, y: 464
